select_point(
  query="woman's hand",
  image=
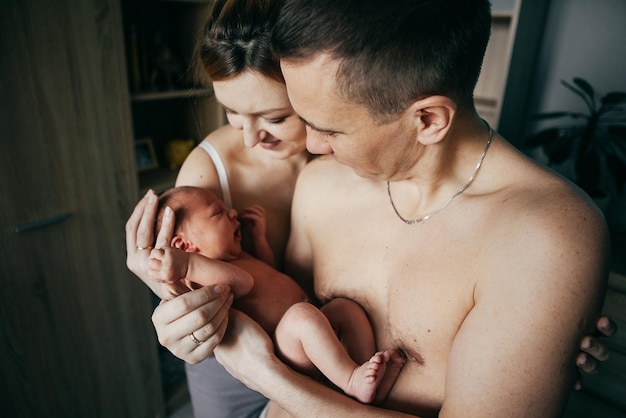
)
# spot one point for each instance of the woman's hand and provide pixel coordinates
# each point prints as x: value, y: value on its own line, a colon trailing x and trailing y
x: 592, y: 350
x: 140, y: 241
x: 193, y: 324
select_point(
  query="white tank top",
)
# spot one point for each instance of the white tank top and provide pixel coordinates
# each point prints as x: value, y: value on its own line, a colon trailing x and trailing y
x: 221, y: 171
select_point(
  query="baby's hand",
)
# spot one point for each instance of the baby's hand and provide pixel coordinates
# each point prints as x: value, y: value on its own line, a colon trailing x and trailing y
x: 253, y: 218
x: 168, y: 264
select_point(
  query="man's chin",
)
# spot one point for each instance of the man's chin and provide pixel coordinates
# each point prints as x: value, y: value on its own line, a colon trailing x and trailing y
x: 365, y: 174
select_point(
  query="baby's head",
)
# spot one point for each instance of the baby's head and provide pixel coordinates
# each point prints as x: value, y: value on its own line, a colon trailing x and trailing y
x: 203, y: 223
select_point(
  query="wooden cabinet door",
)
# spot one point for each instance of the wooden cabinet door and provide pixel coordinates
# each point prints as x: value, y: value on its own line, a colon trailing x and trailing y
x: 75, y: 333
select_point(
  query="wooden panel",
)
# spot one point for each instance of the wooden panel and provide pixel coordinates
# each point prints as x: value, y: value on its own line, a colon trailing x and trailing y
x: 75, y: 332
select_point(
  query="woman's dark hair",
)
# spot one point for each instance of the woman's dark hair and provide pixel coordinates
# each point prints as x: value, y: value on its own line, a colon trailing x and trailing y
x: 390, y: 53
x: 237, y: 38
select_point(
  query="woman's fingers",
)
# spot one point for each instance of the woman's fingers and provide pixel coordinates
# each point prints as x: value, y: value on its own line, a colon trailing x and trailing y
x: 145, y: 230
x: 167, y: 229
x: 132, y: 224
x: 203, y: 312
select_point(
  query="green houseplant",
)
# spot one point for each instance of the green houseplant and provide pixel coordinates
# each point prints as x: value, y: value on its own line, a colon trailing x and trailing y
x: 595, y: 141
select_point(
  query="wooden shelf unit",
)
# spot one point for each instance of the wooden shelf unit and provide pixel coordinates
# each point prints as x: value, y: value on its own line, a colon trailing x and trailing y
x: 167, y: 101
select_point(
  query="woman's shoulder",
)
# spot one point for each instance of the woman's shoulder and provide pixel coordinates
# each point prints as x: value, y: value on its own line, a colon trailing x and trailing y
x: 199, y: 168
x: 225, y: 139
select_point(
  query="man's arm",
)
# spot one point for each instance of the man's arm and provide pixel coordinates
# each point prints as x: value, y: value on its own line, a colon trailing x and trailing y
x: 540, y: 294
x: 248, y: 354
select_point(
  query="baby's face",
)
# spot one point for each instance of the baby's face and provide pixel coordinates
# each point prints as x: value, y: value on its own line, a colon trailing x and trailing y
x: 213, y: 227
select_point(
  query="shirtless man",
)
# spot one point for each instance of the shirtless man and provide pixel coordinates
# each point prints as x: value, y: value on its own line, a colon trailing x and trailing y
x: 491, y: 287
x: 465, y: 254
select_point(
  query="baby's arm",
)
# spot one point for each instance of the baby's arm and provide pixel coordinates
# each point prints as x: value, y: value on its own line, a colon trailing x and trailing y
x: 170, y: 264
x: 254, y: 218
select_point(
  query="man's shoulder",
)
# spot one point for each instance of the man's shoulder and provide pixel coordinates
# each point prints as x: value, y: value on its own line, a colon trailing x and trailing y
x: 324, y: 170
x: 548, y: 212
x: 324, y: 163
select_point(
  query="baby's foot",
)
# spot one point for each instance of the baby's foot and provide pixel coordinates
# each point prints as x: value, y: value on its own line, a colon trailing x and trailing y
x: 394, y: 362
x: 365, y: 378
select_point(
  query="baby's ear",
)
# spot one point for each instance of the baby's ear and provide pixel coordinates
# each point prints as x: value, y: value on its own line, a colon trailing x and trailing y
x: 182, y: 244
x: 179, y: 242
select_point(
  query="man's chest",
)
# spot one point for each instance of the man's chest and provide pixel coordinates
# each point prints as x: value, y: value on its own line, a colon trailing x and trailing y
x: 417, y: 286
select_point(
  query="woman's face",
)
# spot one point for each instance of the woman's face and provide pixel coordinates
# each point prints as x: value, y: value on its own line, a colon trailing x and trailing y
x: 259, y: 106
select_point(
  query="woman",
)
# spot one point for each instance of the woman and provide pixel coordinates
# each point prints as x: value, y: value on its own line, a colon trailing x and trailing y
x: 254, y: 160
x: 236, y: 55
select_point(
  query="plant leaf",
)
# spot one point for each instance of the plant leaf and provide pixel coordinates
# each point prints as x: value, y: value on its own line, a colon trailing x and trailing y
x: 613, y: 98
x: 585, y: 86
x: 582, y: 92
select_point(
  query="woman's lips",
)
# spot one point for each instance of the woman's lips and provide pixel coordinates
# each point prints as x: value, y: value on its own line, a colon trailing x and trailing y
x: 269, y: 145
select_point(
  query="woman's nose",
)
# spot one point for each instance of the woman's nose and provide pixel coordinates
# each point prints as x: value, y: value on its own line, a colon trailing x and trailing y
x: 252, y: 133
x: 232, y: 214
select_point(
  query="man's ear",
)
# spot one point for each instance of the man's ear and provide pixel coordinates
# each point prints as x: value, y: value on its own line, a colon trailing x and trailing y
x: 433, y: 118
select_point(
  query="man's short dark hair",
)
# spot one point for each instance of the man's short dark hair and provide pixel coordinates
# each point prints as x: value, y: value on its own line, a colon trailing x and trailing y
x: 391, y: 53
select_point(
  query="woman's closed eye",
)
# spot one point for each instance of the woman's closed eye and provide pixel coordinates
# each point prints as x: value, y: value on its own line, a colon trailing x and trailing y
x: 277, y: 121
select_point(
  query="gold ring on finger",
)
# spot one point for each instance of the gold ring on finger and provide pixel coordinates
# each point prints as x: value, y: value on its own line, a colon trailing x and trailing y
x: 194, y: 339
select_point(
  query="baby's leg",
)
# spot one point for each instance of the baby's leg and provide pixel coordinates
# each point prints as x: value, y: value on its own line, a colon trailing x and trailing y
x: 306, y: 341
x: 352, y: 328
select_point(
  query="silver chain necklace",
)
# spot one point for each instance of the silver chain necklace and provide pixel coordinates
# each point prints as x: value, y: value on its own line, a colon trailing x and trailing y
x: 454, y: 196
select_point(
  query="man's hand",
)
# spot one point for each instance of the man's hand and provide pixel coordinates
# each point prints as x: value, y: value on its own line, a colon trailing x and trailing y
x: 246, y: 350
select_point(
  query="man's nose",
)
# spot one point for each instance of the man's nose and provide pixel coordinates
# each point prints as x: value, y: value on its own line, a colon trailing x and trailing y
x: 316, y: 145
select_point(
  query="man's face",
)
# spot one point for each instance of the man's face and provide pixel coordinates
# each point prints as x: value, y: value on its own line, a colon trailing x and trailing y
x: 345, y: 130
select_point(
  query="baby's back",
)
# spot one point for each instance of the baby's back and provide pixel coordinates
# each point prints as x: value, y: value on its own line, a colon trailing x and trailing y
x: 272, y: 294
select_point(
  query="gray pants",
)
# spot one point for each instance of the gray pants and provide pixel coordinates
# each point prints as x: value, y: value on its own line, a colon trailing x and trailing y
x: 216, y: 394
